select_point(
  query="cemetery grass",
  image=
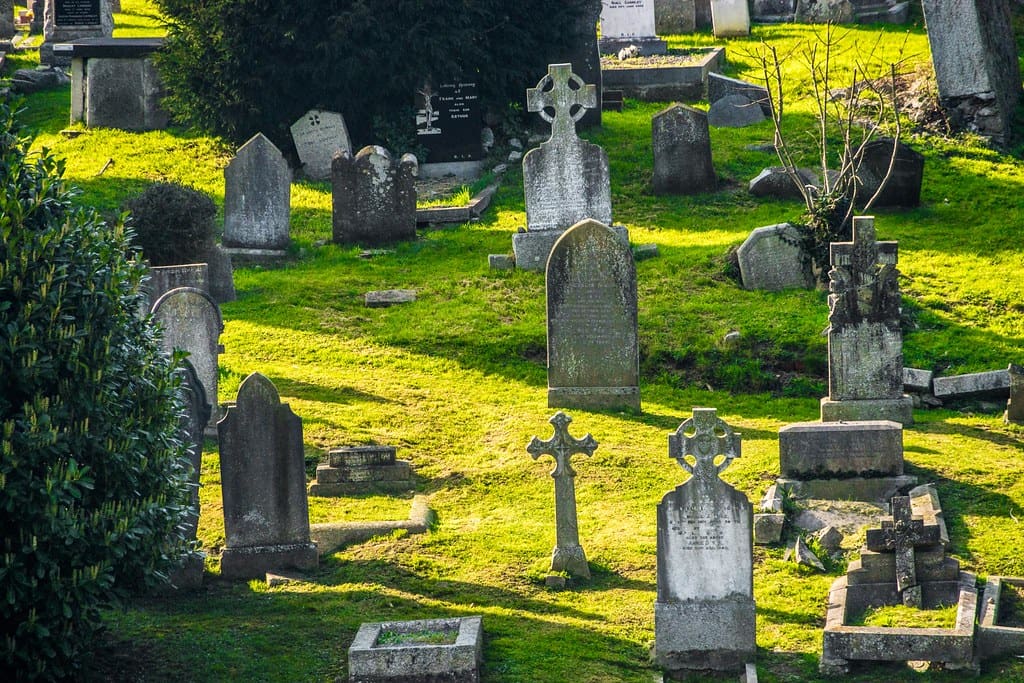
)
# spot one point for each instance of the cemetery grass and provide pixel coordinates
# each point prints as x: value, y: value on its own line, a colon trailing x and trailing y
x: 456, y: 381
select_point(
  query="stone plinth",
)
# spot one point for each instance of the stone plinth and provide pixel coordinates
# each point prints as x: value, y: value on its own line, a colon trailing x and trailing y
x: 392, y: 651
x: 823, y: 450
x: 361, y: 468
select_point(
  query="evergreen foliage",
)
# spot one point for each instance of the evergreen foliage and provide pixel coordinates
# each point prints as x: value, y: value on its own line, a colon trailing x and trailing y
x: 173, y: 223
x: 93, y: 479
x: 238, y: 67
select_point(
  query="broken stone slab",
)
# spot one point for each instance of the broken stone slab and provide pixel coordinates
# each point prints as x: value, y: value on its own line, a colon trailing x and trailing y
x: 768, y: 527
x: 863, y: 489
x: 801, y: 554
x: 995, y: 383
x: 924, y: 501
x: 772, y: 500
x: 330, y: 536
x: 642, y: 252
x: 735, y: 111
x: 720, y: 86
x: 775, y: 182
x: 918, y: 381
x: 829, y: 538
x: 501, y: 262
x: 389, y: 297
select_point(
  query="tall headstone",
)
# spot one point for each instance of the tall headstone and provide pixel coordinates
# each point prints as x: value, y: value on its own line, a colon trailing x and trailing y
x: 730, y: 18
x: 975, y: 59
x: 6, y: 23
x: 682, y: 151
x: 629, y: 22
x: 568, y: 555
x: 865, y: 344
x: 191, y: 322
x: 257, y: 198
x: 318, y: 136
x: 263, y: 478
x: 566, y: 179
x: 585, y: 57
x: 675, y: 16
x: 593, y: 346
x: 374, y: 197
x: 704, y: 613
x: 448, y: 124
x: 193, y: 424
x: 65, y: 20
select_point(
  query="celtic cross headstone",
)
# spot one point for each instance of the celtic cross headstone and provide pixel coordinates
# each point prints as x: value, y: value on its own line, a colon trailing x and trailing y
x: 568, y: 555
x: 566, y: 94
x: 704, y: 613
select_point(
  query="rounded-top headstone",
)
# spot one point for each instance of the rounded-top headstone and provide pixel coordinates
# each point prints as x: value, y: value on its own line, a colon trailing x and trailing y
x: 682, y: 151
x: 318, y: 136
x: 735, y: 111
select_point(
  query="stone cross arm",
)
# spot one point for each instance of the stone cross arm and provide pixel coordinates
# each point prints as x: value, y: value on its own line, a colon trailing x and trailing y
x: 711, y: 438
x: 561, y: 446
x: 555, y: 91
x: 904, y: 530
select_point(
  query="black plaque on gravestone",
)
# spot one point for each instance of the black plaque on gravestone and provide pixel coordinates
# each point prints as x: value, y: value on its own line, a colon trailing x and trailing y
x: 448, y: 122
x: 76, y: 12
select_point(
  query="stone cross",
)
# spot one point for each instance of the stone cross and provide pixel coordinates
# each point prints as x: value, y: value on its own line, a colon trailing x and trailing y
x: 554, y: 91
x: 902, y: 535
x: 862, y: 282
x: 711, y: 438
x: 568, y: 555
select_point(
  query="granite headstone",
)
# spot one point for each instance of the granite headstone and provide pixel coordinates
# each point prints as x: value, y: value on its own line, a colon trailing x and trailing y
x: 65, y: 20
x: 448, y: 122
x: 682, y: 151
x: 626, y: 23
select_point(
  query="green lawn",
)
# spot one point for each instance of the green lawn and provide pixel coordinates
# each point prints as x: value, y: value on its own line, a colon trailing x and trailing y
x: 457, y: 382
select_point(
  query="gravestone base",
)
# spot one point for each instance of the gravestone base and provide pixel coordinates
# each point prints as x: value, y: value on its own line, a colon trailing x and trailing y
x: 595, y: 398
x: 895, y: 409
x: 649, y: 45
x: 253, y: 562
x: 570, y: 559
x: 469, y: 170
x: 867, y: 489
x: 243, y: 255
x: 361, y: 468
x: 704, y: 634
x: 532, y: 248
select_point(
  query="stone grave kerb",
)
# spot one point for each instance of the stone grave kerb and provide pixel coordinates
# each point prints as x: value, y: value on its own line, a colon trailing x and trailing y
x: 901, y: 535
x: 568, y: 555
x: 556, y: 92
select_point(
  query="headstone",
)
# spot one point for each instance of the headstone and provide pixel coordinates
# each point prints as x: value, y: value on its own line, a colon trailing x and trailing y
x: 702, y: 14
x: 318, y: 136
x: 1015, y: 404
x: 904, y: 186
x: 720, y: 86
x: 704, y: 613
x: 585, y: 57
x: 901, y: 535
x: 626, y: 23
x: 448, y: 125
x: 735, y: 111
x: 65, y: 20
x: 682, y: 151
x: 566, y: 179
x: 568, y: 555
x: 775, y: 182
x: 257, y: 198
x: 773, y: 10
x: 822, y: 11
x: 975, y: 59
x: 593, y: 346
x: 263, y: 479
x: 191, y: 429
x: 730, y: 18
x: 222, y: 281
x: 672, y: 17
x: 374, y: 198
x: 865, y: 344
x: 772, y: 259
x: 822, y: 450
x: 163, y: 279
x: 6, y: 22
x: 191, y: 322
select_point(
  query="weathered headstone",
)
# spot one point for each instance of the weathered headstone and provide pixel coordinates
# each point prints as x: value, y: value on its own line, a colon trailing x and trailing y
x: 568, y: 555
x: 682, y: 151
x: 585, y: 57
x: 65, y: 20
x: 257, y: 198
x: 593, y: 346
x: 263, y: 479
x: 735, y: 111
x: 675, y: 16
x: 6, y: 23
x: 318, y: 136
x: 1015, y: 404
x: 626, y: 23
x: 448, y: 124
x: 904, y: 186
x: 730, y: 18
x: 775, y: 182
x: 163, y: 279
x: 374, y: 198
x: 865, y: 344
x: 191, y: 322
x: 704, y: 616
x: 191, y: 428
x: 720, y: 86
x: 773, y: 10
x: 566, y: 179
x: 975, y: 59
x: 772, y: 259
x: 822, y: 11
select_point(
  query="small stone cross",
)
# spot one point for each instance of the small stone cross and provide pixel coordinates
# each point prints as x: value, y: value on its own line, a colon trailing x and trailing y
x: 568, y: 555
x: 562, y: 98
x: 711, y: 438
x: 902, y: 535
x: 862, y: 282
x: 863, y: 254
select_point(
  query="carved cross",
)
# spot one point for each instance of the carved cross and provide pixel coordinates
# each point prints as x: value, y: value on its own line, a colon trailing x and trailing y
x: 555, y: 92
x: 568, y: 554
x: 863, y: 254
x: 862, y: 282
x: 902, y: 535
x: 711, y: 438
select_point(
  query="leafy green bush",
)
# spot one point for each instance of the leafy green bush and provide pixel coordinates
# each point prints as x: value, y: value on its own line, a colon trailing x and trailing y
x: 93, y: 478
x: 173, y: 223
x: 237, y: 67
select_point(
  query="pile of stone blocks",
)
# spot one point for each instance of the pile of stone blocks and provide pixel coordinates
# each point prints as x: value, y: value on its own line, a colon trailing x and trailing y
x: 358, y: 469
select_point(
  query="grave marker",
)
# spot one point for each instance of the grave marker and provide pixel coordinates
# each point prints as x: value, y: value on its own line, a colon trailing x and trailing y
x: 257, y: 198
x: 629, y: 22
x: 263, y: 478
x: 682, y: 151
x: 318, y: 136
x: 374, y: 199
x: 448, y: 124
x: 568, y: 555
x: 191, y: 427
x: 730, y: 18
x: 593, y: 346
x: 704, y: 616
x: 67, y: 20
x: 900, y: 535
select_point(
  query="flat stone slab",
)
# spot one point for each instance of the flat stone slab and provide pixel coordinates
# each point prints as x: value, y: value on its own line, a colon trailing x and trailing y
x: 871, y: 490
x: 768, y: 527
x: 995, y: 383
x: 918, y: 381
x: 395, y: 651
x: 329, y: 536
x: 532, y: 247
x: 389, y: 297
x: 458, y: 214
x: 735, y: 111
x: 895, y: 409
x: 720, y: 86
x: 994, y: 639
x: 828, y: 450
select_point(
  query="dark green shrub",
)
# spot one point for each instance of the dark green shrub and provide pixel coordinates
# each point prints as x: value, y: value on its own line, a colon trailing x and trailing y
x: 173, y: 223
x: 237, y: 67
x: 93, y: 478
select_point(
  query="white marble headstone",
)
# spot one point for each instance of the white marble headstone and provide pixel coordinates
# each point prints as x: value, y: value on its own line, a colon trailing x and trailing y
x: 627, y: 19
x: 318, y: 136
